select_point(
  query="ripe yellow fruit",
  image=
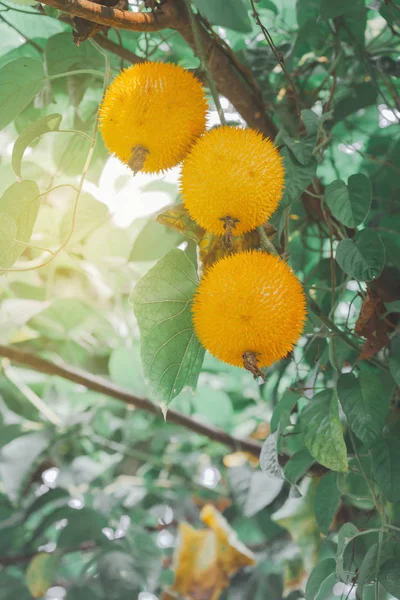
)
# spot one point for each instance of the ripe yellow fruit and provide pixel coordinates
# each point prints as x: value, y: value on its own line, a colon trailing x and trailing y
x: 151, y: 115
x: 249, y: 310
x: 232, y: 172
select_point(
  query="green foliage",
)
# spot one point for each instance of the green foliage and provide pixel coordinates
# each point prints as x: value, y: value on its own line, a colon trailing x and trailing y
x: 171, y: 353
x: 92, y: 489
x: 362, y: 257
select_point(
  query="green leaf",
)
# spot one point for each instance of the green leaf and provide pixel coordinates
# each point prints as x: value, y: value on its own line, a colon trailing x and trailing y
x: 281, y: 414
x: 118, y: 575
x: 8, y: 233
x: 362, y: 257
x: 394, y: 361
x: 298, y: 465
x: 91, y: 215
x: 301, y: 149
x: 218, y: 12
x: 385, y: 464
x: 21, y: 202
x: 62, y: 56
x: 31, y: 133
x: 319, y: 575
x: 297, y: 177
x: 393, y: 307
x: 154, y: 241
x: 360, y: 96
x: 348, y: 532
x: 17, y: 460
x: 83, y: 525
x: 323, y: 434
x: 327, y: 501
x: 365, y: 404
x: 367, y: 572
x: 171, y: 353
x: 389, y: 576
x: 40, y: 573
x: 21, y: 80
x: 350, y: 204
x: 263, y: 491
x: 331, y: 10
x: 269, y: 462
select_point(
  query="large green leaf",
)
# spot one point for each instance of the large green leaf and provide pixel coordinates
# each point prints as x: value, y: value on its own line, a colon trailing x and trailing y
x: 385, y: 463
x: 31, y: 133
x: 331, y: 10
x: 233, y: 15
x: 298, y: 465
x: 297, y: 177
x: 21, y: 80
x: 62, y: 56
x: 365, y: 404
x: 323, y: 434
x: 171, y: 353
x: 362, y: 257
x: 319, y: 575
x: 21, y: 202
x: 344, y: 571
x: 389, y: 575
x: 350, y: 203
x: 327, y: 501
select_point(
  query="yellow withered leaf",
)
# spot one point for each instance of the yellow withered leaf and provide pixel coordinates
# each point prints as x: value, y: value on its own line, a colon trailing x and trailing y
x: 205, y: 559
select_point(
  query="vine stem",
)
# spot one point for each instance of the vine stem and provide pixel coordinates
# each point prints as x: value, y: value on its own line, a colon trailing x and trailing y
x: 77, y: 72
x: 106, y: 76
x: 204, y: 63
x: 265, y: 242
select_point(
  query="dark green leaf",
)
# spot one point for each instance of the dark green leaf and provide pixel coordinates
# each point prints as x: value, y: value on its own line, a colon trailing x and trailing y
x: 234, y: 16
x: 348, y: 532
x: 298, y: 465
x: 327, y: 501
x: 118, y: 575
x: 301, y: 149
x: 385, y: 463
x: 331, y: 10
x: 362, y: 257
x: 281, y: 414
x: 297, y: 177
x: 38, y: 128
x: 171, y: 353
x: 62, y: 55
x: 21, y: 80
x: 367, y: 573
x: 365, y: 404
x: 83, y: 525
x: 350, y: 203
x: 318, y: 576
x: 389, y: 576
x: 323, y: 434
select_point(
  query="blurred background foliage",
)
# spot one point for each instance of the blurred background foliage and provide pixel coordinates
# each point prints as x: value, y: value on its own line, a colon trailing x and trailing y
x: 92, y: 490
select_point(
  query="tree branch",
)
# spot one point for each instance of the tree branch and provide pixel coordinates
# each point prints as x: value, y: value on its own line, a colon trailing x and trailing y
x: 114, y: 17
x: 117, y: 49
x: 102, y: 386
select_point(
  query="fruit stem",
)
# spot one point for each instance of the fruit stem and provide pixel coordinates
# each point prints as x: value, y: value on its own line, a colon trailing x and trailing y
x: 138, y: 158
x: 229, y: 225
x: 250, y: 363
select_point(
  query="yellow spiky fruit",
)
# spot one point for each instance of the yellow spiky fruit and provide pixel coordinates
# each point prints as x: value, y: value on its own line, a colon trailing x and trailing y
x: 151, y: 115
x: 249, y: 309
x: 232, y: 172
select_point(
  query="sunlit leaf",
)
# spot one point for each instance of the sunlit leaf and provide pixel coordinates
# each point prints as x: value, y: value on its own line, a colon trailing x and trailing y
x: 171, y: 353
x: 21, y: 80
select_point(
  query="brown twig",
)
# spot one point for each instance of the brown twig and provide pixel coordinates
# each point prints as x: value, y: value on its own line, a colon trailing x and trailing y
x: 117, y: 49
x: 102, y: 386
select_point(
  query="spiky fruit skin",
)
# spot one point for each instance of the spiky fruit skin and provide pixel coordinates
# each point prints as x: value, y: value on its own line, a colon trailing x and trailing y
x: 232, y: 172
x: 158, y: 106
x: 249, y: 302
